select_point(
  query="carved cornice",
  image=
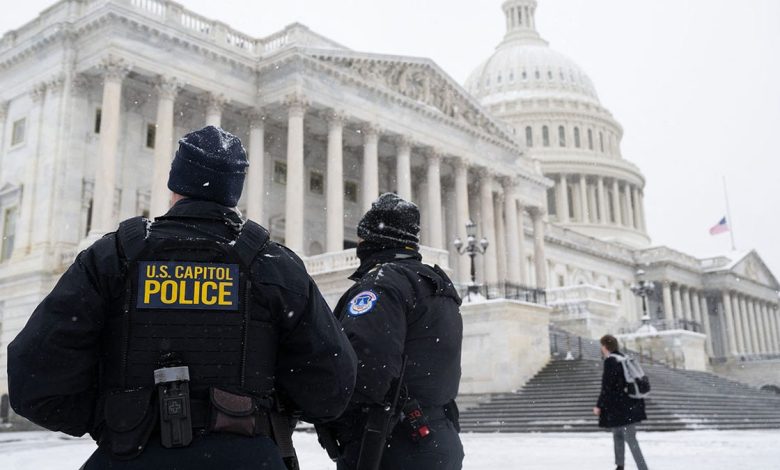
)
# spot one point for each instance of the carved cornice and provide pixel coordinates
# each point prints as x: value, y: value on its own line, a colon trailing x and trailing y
x: 114, y: 68
x: 296, y: 102
x: 255, y: 116
x: 38, y: 92
x: 370, y: 130
x: 335, y: 117
x: 81, y: 84
x: 4, y: 109
x: 214, y: 102
x: 167, y: 87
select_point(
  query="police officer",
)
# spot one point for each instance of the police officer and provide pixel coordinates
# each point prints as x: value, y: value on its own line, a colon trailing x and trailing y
x: 186, y: 342
x: 400, y: 307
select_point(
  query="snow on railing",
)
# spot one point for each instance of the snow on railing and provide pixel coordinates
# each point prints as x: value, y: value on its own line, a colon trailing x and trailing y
x: 240, y: 41
x: 580, y: 292
x: 196, y: 23
x: 335, y: 261
x: 276, y: 41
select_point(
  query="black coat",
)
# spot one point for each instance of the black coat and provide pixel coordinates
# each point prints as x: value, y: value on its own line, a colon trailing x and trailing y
x: 53, y: 362
x: 617, y: 408
x: 400, y: 306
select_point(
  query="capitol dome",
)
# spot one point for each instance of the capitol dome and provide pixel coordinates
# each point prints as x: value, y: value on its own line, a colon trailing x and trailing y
x: 552, y: 106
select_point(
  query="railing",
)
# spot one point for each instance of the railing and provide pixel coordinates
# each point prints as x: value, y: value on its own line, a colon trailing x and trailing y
x: 565, y: 345
x: 335, y: 261
x: 580, y: 293
x: 503, y: 291
x: 666, y: 325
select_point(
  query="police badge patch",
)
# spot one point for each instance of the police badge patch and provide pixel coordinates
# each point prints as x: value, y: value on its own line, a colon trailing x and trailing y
x: 362, y: 303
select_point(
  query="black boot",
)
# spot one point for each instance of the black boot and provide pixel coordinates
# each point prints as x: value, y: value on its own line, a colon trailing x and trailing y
x: 619, y: 467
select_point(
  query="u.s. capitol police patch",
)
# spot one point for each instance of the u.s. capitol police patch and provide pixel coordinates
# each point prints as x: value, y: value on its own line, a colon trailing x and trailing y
x: 362, y: 303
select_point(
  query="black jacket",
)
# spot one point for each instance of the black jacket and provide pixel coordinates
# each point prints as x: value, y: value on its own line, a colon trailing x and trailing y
x: 400, y: 306
x: 53, y: 362
x: 617, y: 408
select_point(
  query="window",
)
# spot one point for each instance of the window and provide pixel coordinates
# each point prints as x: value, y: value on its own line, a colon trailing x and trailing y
x: 551, y: 203
x: 601, y: 141
x: 525, y: 75
x: 549, y: 75
x: 280, y: 172
x: 560, y: 280
x: 350, y: 191
x: 89, y: 217
x: 98, y: 115
x: 316, y: 182
x: 511, y: 75
x: 545, y: 136
x: 151, y: 133
x: 9, y: 232
x: 561, y: 136
x: 498, y: 78
x: 529, y: 137
x: 590, y: 139
x: 17, y: 132
x: 577, y: 137
x: 619, y: 294
x: 537, y: 75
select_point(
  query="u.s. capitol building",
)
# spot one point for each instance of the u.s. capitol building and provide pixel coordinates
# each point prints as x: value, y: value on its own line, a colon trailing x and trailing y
x: 94, y: 94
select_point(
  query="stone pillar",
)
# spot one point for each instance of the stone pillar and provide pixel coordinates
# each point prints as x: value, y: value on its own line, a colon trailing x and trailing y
x: 772, y: 333
x: 636, y: 210
x: 602, y: 200
x: 752, y: 322
x: 678, y: 311
x: 563, y: 199
x: 462, y: 215
x: 334, y: 237
x: 160, y: 197
x: 370, y: 190
x: 540, y: 260
x: 403, y: 170
x: 668, y: 308
x: 774, y: 314
x: 616, y: 202
x: 738, y: 330
x: 294, y: 203
x: 487, y: 225
x: 501, y: 254
x: 733, y: 345
x: 705, y: 318
x: 436, y: 237
x: 513, y: 275
x: 641, y: 206
x: 757, y: 326
x: 103, y: 220
x: 583, y: 202
x: 593, y: 204
x: 255, y: 179
x: 420, y: 195
x: 629, y: 207
x: 3, y: 124
x: 764, y: 327
x: 214, y: 104
x: 521, y: 244
x: 686, y: 304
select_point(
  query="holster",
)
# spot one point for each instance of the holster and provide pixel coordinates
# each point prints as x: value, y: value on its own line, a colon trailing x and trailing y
x: 129, y: 417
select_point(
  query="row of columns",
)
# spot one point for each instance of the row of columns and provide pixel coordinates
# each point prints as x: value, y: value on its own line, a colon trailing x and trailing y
x: 686, y: 304
x: 596, y: 201
x: 752, y: 325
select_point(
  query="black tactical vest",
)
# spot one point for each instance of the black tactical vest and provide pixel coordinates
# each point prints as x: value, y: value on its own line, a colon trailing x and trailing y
x: 190, y: 298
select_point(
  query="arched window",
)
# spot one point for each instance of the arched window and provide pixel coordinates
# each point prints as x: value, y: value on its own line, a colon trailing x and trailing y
x: 545, y: 136
x: 498, y: 78
x: 577, y: 137
x: 601, y: 141
x: 525, y: 75
x: 590, y: 139
x: 537, y: 75
x: 529, y: 137
x: 549, y: 75
x: 561, y: 136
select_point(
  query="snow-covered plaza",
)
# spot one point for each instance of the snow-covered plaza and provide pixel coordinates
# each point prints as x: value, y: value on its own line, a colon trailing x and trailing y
x: 689, y: 450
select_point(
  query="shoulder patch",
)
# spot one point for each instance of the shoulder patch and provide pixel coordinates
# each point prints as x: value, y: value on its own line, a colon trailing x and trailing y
x: 362, y: 303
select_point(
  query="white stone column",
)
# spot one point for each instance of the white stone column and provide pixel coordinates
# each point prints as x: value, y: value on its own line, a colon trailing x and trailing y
x: 214, y: 104
x: 420, y: 196
x: 255, y: 179
x: 433, y: 171
x: 641, y: 205
x: 103, y: 220
x: 3, y: 125
x: 160, y: 196
x: 616, y: 202
x: 635, y: 209
x: 757, y: 326
x: 629, y: 207
x: 334, y: 237
x: 738, y: 330
x: 370, y: 190
x: 755, y: 344
x: 686, y: 304
x: 602, y: 201
x: 763, y: 326
x: 294, y: 207
x: 677, y: 300
x: 521, y: 244
x: 487, y: 225
x: 668, y: 307
x: 583, y: 202
x: 540, y: 260
x: 462, y: 215
x: 705, y: 321
x: 403, y: 172
x: 775, y: 315
x: 733, y: 346
x: 593, y: 204
x: 512, y: 236
x: 772, y: 329
x: 501, y: 254
x: 563, y: 199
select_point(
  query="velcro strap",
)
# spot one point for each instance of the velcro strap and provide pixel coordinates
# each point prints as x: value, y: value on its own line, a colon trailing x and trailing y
x: 132, y: 237
x: 250, y: 242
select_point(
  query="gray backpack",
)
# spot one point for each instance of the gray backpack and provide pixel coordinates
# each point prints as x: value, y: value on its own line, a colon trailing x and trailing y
x: 638, y: 385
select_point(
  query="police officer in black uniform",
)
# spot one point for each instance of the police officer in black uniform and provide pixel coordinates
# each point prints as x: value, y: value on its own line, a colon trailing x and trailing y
x: 400, y: 307
x: 186, y: 342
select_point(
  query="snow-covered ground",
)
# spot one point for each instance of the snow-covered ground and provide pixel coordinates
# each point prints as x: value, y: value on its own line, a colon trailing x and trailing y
x: 689, y: 450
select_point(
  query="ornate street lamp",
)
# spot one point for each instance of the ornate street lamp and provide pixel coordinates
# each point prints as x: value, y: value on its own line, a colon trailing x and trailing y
x: 471, y: 248
x: 643, y: 289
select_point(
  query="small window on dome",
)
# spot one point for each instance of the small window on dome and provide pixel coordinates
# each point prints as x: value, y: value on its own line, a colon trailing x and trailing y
x: 590, y: 139
x: 601, y: 141
x: 563, y: 78
x: 561, y: 136
x: 487, y: 81
x: 525, y: 75
x: 529, y: 137
x: 577, y: 137
x: 549, y: 75
x: 545, y: 136
x: 537, y: 75
x: 511, y: 76
x: 498, y: 78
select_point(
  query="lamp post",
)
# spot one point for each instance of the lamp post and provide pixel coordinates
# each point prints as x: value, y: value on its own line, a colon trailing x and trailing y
x: 643, y: 289
x: 471, y: 248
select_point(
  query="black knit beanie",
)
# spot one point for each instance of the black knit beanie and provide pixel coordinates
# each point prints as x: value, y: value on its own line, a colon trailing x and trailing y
x: 391, y: 222
x: 210, y: 164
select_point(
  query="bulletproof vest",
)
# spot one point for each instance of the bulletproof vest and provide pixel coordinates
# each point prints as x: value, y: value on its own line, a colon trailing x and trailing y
x: 188, y: 299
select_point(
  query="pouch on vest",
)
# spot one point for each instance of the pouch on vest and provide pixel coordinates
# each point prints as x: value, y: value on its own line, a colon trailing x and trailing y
x: 237, y: 414
x: 130, y: 417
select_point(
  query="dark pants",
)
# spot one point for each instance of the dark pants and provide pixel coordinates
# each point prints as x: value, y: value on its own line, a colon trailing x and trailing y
x: 206, y: 452
x: 442, y: 450
x: 623, y: 435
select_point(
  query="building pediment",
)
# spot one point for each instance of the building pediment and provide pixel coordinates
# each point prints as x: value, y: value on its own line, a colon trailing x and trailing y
x: 752, y: 267
x: 421, y: 81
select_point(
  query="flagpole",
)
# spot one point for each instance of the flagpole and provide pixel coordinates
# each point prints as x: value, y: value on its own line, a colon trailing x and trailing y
x: 728, y: 214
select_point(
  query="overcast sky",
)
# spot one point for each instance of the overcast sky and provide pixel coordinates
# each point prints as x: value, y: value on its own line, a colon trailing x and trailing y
x: 695, y: 84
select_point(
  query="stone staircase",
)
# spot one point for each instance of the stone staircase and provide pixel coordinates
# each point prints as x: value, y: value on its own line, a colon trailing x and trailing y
x: 561, y: 396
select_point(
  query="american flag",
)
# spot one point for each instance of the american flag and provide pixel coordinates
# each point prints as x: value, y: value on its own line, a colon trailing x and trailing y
x: 720, y: 227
